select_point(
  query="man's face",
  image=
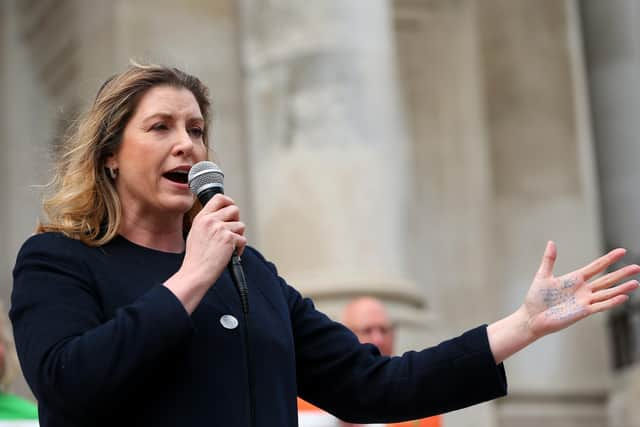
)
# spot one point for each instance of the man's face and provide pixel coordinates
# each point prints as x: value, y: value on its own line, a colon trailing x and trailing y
x: 368, y: 319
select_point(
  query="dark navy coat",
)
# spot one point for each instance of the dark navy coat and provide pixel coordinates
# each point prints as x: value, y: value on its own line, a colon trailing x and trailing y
x: 103, y: 343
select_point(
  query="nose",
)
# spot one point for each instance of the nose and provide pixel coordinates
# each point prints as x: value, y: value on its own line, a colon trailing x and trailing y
x: 183, y: 145
x: 376, y: 337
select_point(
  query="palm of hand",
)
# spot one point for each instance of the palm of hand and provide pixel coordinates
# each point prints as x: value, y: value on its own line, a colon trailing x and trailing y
x: 554, y: 303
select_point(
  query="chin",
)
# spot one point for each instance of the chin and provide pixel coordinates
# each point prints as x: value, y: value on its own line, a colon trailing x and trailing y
x: 186, y: 207
x: 179, y: 206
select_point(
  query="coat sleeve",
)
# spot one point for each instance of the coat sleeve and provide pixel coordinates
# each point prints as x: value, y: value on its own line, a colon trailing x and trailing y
x: 70, y: 355
x: 355, y: 383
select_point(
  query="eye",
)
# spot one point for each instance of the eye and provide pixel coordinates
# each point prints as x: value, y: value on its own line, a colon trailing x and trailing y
x: 159, y: 126
x: 196, y: 132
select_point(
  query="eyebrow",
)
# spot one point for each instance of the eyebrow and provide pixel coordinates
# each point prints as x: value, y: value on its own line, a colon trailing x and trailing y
x: 170, y: 116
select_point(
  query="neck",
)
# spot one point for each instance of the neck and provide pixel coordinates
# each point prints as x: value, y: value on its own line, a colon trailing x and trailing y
x: 162, y: 234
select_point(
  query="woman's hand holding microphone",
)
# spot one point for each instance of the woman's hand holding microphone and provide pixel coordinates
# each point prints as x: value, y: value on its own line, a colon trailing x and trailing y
x: 215, y: 233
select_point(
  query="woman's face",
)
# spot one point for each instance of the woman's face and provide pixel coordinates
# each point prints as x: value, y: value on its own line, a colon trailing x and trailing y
x: 160, y: 143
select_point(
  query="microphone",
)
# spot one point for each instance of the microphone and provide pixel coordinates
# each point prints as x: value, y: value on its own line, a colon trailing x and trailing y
x: 205, y: 181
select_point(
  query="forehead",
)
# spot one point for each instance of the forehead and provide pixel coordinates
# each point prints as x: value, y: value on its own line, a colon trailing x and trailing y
x: 171, y: 100
x: 369, y: 313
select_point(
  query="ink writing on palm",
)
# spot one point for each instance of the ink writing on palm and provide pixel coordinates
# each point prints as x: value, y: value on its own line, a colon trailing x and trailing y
x: 554, y: 303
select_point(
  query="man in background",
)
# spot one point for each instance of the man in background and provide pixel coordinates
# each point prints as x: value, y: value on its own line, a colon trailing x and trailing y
x: 369, y: 321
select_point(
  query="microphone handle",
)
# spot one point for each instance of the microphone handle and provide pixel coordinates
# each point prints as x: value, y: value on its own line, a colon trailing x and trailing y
x: 207, y: 194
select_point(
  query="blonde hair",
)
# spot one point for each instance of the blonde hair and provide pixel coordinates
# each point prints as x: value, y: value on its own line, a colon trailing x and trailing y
x: 83, y: 203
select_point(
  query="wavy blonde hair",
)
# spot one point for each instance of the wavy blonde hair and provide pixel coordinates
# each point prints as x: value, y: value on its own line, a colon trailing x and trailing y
x: 82, y: 202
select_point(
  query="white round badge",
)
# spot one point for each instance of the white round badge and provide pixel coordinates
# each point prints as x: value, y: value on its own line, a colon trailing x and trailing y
x: 228, y: 321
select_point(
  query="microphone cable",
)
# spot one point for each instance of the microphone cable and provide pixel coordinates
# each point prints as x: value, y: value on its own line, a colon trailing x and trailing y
x: 240, y: 281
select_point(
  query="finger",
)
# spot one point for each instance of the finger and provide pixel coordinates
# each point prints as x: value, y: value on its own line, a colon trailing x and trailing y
x: 229, y: 232
x: 602, y: 263
x: 548, y: 260
x: 241, y: 242
x: 614, y: 277
x: 236, y: 227
x: 229, y: 239
x: 218, y: 202
x: 606, y: 294
x: 608, y: 304
x: 227, y: 213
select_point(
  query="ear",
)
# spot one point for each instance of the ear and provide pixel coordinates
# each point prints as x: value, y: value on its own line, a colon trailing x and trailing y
x: 111, y: 161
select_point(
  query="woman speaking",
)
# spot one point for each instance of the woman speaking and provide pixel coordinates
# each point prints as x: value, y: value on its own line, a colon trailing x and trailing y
x: 125, y: 314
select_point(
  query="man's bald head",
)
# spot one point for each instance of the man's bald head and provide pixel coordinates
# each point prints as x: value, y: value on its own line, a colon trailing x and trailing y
x: 368, y: 319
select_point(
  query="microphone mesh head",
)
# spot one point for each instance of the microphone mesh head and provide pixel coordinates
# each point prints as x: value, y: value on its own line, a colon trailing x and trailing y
x: 203, y: 175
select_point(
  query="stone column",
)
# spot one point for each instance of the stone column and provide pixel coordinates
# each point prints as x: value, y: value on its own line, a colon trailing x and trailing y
x: 328, y: 147
x: 613, y: 61
x: 503, y: 162
x: 543, y: 186
x: 453, y: 251
x: 442, y: 77
x: 611, y: 43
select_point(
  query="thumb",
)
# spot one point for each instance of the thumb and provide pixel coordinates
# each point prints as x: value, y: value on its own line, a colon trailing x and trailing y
x: 548, y: 260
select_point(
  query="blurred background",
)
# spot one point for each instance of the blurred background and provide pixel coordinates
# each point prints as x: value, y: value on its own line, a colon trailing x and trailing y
x: 421, y: 151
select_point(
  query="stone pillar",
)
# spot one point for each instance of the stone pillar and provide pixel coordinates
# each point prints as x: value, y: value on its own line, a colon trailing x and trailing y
x: 543, y: 187
x: 613, y: 61
x: 328, y: 148
x: 451, y: 206
x: 503, y: 163
x: 453, y: 252
x: 611, y: 44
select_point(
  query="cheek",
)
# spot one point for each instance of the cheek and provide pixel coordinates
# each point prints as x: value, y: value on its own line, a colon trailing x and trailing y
x: 200, y: 153
x: 141, y: 168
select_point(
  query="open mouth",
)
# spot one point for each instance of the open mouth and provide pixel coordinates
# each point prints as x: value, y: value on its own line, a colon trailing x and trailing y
x: 178, y: 176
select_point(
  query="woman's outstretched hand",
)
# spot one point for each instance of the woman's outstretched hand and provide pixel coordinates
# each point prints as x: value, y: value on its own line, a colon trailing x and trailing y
x: 553, y: 303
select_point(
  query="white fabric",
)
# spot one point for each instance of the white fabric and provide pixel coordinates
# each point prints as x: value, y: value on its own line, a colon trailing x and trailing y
x: 321, y: 419
x: 19, y: 423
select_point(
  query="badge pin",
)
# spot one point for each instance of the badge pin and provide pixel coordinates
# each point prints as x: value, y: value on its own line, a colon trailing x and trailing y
x: 228, y: 321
